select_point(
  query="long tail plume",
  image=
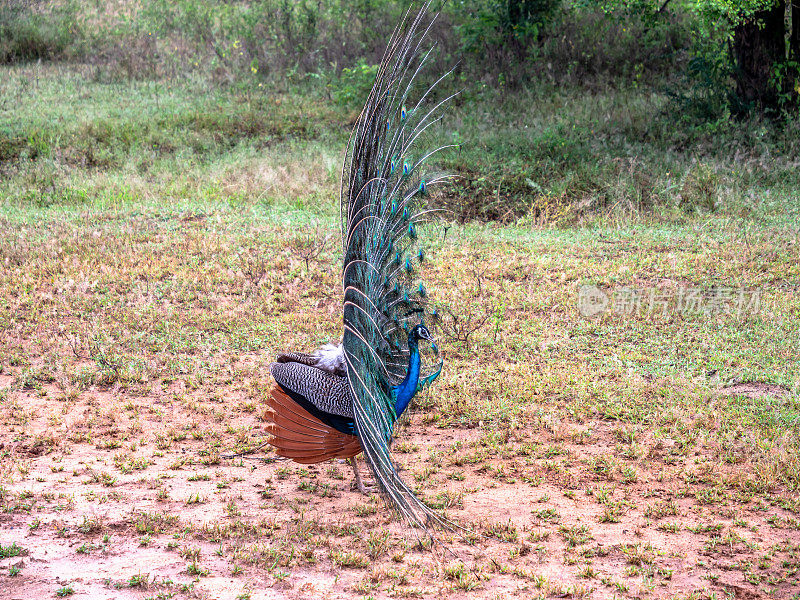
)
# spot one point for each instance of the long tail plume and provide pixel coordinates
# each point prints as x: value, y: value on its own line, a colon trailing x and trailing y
x: 382, y: 210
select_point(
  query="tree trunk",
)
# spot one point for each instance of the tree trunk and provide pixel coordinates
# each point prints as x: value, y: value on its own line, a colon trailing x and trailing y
x: 794, y: 38
x: 758, y: 44
x: 793, y: 86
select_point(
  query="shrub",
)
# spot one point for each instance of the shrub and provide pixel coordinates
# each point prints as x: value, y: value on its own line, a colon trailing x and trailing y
x: 30, y: 33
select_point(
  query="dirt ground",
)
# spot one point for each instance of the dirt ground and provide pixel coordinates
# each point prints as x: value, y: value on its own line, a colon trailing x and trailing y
x: 109, y: 495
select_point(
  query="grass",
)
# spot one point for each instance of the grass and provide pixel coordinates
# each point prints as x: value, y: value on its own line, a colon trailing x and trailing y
x: 112, y: 152
x: 11, y: 550
x: 160, y: 243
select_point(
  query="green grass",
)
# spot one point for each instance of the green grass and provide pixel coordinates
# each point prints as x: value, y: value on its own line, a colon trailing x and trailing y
x: 104, y: 144
x: 11, y: 550
x: 545, y: 155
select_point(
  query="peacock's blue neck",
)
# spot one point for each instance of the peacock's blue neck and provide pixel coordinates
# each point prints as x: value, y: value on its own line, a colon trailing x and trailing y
x: 408, y: 387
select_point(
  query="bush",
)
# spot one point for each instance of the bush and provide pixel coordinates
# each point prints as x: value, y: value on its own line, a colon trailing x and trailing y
x: 276, y: 37
x: 354, y: 84
x: 498, y: 34
x: 27, y: 33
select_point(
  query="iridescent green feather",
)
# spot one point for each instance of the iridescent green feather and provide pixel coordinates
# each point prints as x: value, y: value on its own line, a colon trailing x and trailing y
x: 382, y: 207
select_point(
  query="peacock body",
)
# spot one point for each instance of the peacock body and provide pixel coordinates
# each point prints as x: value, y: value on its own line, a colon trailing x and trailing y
x: 343, y: 400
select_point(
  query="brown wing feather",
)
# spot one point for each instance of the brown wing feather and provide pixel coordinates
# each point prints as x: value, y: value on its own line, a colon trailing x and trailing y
x: 282, y: 404
x: 299, y: 435
x: 283, y: 427
x: 305, y: 458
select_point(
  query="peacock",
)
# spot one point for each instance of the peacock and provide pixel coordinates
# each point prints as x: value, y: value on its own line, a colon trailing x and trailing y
x: 344, y: 399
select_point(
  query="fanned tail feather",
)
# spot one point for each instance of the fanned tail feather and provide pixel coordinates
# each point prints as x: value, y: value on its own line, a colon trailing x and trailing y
x: 382, y: 208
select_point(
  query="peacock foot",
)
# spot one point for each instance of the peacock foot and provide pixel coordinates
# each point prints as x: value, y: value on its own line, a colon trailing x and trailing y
x: 366, y: 488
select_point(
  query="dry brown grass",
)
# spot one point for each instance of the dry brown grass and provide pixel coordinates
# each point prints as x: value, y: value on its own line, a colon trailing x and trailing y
x: 134, y: 359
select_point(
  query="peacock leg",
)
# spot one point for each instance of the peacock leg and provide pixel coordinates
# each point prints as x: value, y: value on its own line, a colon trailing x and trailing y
x: 364, y: 489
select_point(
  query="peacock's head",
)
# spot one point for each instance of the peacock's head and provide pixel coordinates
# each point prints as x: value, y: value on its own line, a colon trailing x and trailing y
x: 420, y: 332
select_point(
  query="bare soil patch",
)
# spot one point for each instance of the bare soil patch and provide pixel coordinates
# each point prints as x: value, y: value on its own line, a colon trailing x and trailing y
x: 756, y: 389
x: 116, y: 495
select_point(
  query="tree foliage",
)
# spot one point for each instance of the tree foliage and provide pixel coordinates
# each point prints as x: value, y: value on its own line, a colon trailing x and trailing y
x: 737, y: 55
x: 739, y: 40
x: 502, y: 32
